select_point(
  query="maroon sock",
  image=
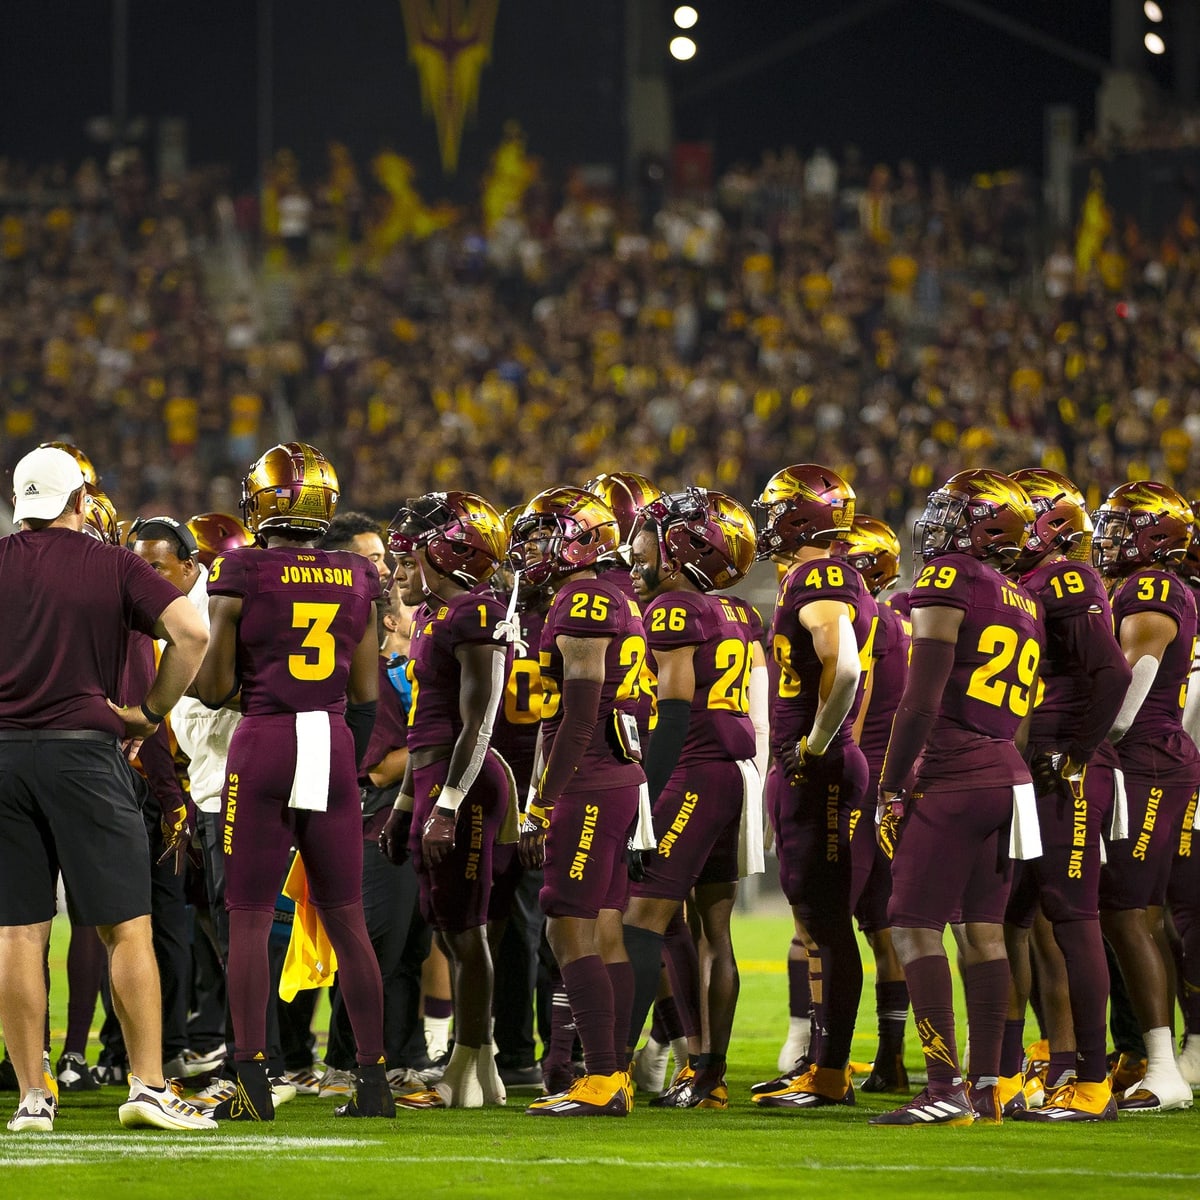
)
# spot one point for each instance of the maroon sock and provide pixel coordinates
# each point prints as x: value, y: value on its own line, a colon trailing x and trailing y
x: 562, y: 1029
x: 666, y: 1026
x: 87, y: 960
x: 590, y: 992
x: 358, y: 978
x: 1082, y: 946
x: 932, y: 996
x: 683, y: 968
x: 842, y: 976
x: 1012, y: 1047
x: 248, y: 975
x: 439, y: 1008
x: 799, y: 992
x: 986, y: 987
x: 891, y: 1008
x: 620, y: 977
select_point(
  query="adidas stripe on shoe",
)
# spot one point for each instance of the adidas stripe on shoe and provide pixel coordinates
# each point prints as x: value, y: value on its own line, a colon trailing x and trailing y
x: 160, y: 1108
x: 35, y: 1115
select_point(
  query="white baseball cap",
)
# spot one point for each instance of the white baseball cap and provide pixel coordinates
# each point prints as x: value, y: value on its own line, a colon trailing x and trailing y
x: 42, y: 482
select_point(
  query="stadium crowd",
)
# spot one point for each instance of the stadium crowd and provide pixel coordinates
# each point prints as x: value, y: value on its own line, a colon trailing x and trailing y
x: 904, y: 333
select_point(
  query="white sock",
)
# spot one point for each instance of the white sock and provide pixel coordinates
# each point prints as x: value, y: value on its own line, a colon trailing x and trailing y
x: 437, y: 1036
x: 1160, y: 1054
x: 488, y: 1076
x: 679, y: 1050
x: 459, y: 1086
x: 800, y: 1033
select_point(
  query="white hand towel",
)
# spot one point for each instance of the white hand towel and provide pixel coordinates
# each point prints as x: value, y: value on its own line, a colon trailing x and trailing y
x: 750, y: 838
x: 1118, y: 826
x: 1025, y: 835
x: 310, y: 784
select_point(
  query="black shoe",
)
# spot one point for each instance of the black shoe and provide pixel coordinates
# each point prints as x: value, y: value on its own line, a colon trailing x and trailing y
x: 520, y: 1077
x: 8, y: 1076
x: 252, y: 1101
x: 74, y: 1075
x: 887, y: 1075
x: 372, y: 1095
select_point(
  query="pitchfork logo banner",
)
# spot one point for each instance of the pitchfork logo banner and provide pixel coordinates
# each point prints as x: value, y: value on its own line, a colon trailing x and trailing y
x: 449, y: 42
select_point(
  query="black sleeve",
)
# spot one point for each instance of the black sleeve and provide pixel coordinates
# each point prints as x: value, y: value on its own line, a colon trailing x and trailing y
x: 361, y: 719
x: 665, y: 743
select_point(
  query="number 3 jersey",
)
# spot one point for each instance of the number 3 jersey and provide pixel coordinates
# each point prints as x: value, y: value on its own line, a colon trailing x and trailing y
x: 304, y: 613
x: 794, y: 666
x: 719, y: 727
x: 587, y: 608
x: 995, y: 669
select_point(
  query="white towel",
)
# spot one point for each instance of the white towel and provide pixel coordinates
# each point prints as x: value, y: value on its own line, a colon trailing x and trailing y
x: 310, y: 784
x: 643, y: 835
x: 1196, y: 818
x: 1118, y: 826
x: 750, y: 839
x: 1025, y: 835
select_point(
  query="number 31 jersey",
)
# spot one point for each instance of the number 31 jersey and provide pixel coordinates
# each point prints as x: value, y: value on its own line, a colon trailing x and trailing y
x: 719, y: 727
x: 995, y: 668
x: 304, y: 613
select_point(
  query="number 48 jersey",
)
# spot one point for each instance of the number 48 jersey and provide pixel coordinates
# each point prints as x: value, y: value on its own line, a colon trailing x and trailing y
x: 304, y: 613
x: 995, y: 668
x: 719, y: 727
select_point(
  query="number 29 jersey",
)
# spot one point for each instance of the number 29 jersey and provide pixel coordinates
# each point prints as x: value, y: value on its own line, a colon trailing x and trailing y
x: 586, y: 608
x: 304, y: 613
x: 719, y: 727
x: 995, y: 668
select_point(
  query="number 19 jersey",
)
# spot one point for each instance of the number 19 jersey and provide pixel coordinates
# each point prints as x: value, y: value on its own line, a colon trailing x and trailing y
x: 304, y: 613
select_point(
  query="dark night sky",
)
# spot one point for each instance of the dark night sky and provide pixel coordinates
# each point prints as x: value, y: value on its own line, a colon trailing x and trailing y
x: 915, y: 80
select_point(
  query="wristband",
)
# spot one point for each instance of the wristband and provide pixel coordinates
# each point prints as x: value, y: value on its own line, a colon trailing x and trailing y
x: 404, y: 803
x: 151, y: 716
x: 539, y: 814
x: 450, y: 798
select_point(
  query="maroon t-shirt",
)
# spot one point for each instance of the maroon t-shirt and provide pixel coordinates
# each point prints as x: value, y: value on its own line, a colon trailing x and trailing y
x: 587, y: 608
x: 154, y: 760
x: 390, y: 731
x: 67, y: 605
x: 995, y: 665
x: 794, y: 667
x: 433, y: 669
x: 893, y: 636
x: 514, y: 736
x: 719, y: 726
x: 304, y: 613
x: 1155, y: 743
x: 1079, y: 643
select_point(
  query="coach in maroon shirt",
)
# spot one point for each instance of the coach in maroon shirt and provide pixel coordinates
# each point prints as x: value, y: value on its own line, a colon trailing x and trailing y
x: 68, y: 605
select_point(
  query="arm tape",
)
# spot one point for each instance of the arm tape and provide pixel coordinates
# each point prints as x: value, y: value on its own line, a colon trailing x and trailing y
x: 453, y: 793
x: 1145, y: 671
x: 841, y: 695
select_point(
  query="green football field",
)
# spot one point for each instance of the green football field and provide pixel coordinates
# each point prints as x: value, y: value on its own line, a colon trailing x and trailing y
x: 829, y: 1153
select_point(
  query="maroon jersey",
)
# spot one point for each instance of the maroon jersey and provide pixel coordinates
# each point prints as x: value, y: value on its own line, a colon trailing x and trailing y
x: 595, y: 608
x: 749, y: 616
x: 1078, y: 639
x: 304, y: 613
x: 893, y: 637
x: 67, y: 605
x: 995, y: 665
x: 795, y: 669
x: 646, y: 711
x: 1155, y: 743
x: 514, y: 737
x: 719, y: 726
x: 434, y: 717
x: 390, y: 731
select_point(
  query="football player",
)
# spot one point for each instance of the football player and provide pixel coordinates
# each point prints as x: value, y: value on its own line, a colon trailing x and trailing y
x: 293, y: 631
x: 1084, y: 677
x: 824, y: 620
x: 454, y: 796
x: 586, y: 800
x: 873, y: 550
x: 217, y: 534
x: 972, y: 678
x: 1143, y: 530
x: 699, y: 763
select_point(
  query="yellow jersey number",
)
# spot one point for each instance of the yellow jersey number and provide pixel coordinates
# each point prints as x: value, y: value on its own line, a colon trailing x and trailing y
x: 320, y: 648
x: 938, y: 577
x: 1002, y: 644
x: 523, y: 693
x: 731, y: 692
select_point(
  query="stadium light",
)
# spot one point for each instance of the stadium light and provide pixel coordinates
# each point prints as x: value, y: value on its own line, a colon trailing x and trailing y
x: 682, y: 48
x: 1153, y: 11
x: 686, y: 16
x: 1155, y: 44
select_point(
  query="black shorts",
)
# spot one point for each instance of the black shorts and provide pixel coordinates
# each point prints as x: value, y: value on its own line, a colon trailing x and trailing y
x: 69, y: 804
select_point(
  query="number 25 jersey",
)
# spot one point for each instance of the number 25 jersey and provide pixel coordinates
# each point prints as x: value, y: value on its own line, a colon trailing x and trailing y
x: 304, y: 613
x: 995, y: 668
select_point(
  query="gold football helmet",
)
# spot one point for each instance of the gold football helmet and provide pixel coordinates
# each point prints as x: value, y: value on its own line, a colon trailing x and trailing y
x: 99, y: 515
x: 217, y: 534
x: 293, y: 489
x: 1061, y: 523
x: 625, y: 492
x: 560, y: 531
x: 873, y: 550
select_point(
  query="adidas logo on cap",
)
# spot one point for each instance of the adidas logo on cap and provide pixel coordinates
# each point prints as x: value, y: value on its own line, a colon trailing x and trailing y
x: 31, y: 490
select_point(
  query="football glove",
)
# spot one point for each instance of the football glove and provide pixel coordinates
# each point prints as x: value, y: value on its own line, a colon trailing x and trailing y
x: 535, y: 824
x: 437, y: 835
x: 889, y: 816
x: 798, y: 758
x: 177, y: 826
x: 393, y: 837
x: 635, y: 862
